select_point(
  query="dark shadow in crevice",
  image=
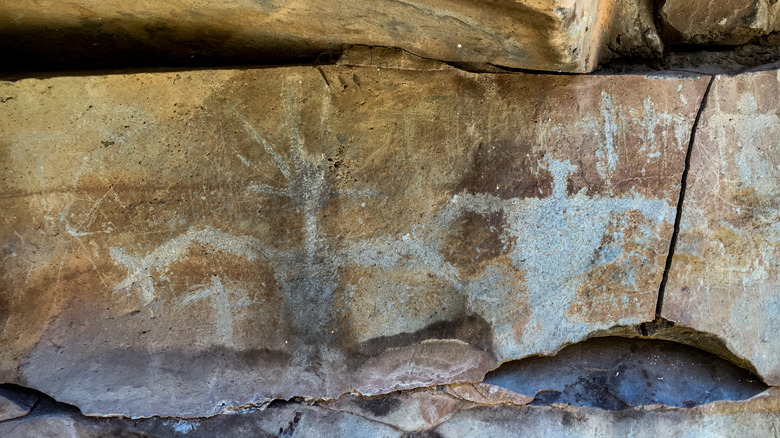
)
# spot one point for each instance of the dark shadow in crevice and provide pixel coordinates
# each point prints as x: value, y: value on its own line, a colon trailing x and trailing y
x: 133, y: 44
x: 617, y: 373
x: 700, y: 60
x: 38, y: 403
x: 662, y: 329
x: 117, y: 45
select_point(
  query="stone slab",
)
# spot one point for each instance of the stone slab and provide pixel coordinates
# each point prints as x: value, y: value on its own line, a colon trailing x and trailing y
x: 718, y: 22
x: 551, y: 35
x: 427, y: 412
x: 617, y: 373
x: 177, y: 243
x: 725, y: 272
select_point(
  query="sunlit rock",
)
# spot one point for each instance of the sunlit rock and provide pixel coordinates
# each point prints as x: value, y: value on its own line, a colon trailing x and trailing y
x: 177, y: 243
x: 724, y: 277
x: 718, y: 22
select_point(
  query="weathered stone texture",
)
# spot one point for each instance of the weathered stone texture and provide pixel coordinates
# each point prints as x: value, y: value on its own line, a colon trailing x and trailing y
x: 718, y: 22
x: 425, y: 412
x: 14, y: 404
x: 557, y: 35
x: 618, y: 373
x: 181, y: 242
x: 541, y: 35
x: 725, y: 272
x: 755, y: 418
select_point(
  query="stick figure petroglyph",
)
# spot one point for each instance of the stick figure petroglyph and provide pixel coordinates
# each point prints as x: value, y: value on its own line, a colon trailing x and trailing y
x: 223, y: 300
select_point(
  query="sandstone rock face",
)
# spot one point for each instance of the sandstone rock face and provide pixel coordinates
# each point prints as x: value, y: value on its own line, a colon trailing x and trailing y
x: 554, y: 35
x: 724, y: 277
x: 181, y: 242
x: 718, y: 22
x: 424, y: 412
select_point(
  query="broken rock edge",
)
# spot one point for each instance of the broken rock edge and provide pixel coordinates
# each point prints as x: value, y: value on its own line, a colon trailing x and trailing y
x: 640, y: 66
x: 657, y: 329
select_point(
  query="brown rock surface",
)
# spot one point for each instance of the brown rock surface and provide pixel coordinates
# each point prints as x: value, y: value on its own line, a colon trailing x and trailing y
x: 717, y: 21
x: 180, y: 242
x: 757, y: 417
x: 555, y: 35
x: 725, y: 272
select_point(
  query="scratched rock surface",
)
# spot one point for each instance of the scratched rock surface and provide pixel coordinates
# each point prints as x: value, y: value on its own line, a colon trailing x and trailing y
x: 175, y: 243
x: 725, y: 274
x: 554, y: 35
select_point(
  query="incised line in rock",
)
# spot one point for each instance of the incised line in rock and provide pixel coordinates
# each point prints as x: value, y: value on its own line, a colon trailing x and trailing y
x: 223, y: 300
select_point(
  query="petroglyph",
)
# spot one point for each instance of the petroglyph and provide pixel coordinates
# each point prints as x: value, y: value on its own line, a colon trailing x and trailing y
x: 224, y: 300
x: 553, y: 240
x: 277, y: 236
x: 145, y: 270
x: 308, y: 275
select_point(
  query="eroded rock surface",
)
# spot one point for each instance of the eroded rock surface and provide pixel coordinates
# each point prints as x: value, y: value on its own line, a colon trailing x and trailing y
x: 423, y: 412
x: 15, y: 403
x: 554, y: 35
x: 181, y: 242
x: 724, y: 277
x: 718, y: 22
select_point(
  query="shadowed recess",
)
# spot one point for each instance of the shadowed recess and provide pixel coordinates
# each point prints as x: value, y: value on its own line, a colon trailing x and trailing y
x: 620, y: 373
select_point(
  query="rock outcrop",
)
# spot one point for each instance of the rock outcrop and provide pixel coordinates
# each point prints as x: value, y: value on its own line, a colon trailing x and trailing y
x: 389, y: 218
x: 231, y: 237
x: 718, y: 22
x: 553, y: 35
x: 725, y: 274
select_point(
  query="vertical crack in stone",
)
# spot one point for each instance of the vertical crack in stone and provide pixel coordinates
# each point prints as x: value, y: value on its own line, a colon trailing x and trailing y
x: 681, y: 199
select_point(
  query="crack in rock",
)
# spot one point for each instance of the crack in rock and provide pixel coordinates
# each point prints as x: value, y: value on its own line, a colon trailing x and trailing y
x: 619, y: 373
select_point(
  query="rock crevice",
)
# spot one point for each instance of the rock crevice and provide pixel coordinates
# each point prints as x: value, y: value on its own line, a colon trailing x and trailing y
x: 681, y: 200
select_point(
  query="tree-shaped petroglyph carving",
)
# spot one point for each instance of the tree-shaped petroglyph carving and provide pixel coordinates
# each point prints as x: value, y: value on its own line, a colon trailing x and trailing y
x: 551, y: 239
x: 308, y: 274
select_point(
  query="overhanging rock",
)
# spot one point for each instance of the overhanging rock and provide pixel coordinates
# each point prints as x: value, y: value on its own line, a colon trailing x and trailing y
x: 551, y: 35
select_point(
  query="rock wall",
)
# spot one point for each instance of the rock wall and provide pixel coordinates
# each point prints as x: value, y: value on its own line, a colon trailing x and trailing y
x: 380, y: 244
x: 542, y: 35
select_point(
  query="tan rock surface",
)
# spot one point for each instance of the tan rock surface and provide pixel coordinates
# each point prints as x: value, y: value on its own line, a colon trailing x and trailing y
x: 180, y: 242
x: 724, y: 276
x: 757, y: 417
x: 554, y: 35
x: 718, y: 22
